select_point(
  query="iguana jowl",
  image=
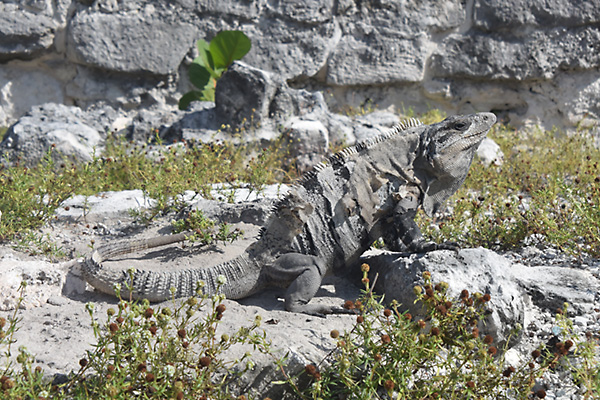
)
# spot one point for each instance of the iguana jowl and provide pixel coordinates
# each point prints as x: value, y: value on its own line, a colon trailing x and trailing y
x: 329, y: 218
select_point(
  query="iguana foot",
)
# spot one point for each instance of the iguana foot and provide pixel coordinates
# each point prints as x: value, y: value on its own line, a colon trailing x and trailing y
x: 320, y: 311
x: 424, y: 246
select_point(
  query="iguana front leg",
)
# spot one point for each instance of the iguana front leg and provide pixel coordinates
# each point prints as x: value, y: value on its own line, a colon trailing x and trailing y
x: 410, y: 235
x: 305, y: 274
x: 403, y: 233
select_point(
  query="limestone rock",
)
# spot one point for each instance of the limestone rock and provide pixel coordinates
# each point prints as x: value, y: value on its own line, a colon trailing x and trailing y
x: 386, y: 43
x: 373, y: 124
x: 72, y: 133
x: 151, y: 39
x: 528, y: 61
x: 515, y: 14
x: 540, y: 55
x: 477, y: 270
x: 28, y: 28
x: 290, y: 48
x: 489, y: 152
x: 308, y: 141
x: 246, y: 96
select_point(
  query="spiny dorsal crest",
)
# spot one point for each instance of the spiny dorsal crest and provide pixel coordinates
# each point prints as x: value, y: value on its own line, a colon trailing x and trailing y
x: 339, y: 158
x: 344, y: 154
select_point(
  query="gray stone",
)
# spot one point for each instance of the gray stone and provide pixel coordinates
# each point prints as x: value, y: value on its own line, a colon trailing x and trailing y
x: 378, y: 118
x: 387, y: 43
x: 489, y: 152
x: 152, y: 39
x: 539, y: 55
x: 246, y: 9
x: 22, y: 86
x: 290, y: 102
x: 244, y: 94
x: 103, y: 206
x: 288, y: 48
x: 307, y: 11
x: 477, y: 270
x: 512, y: 15
x: 551, y: 287
x: 69, y: 130
x: 246, y: 97
x: 340, y: 128
x: 92, y: 86
x: 146, y: 124
x: 529, y: 61
x: 373, y: 124
x: 308, y: 141
x: 28, y: 28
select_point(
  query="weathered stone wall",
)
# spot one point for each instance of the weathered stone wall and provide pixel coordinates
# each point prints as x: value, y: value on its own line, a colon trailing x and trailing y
x: 535, y: 60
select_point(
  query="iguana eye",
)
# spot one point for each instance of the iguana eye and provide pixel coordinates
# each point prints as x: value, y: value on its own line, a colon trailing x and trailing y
x: 461, y: 126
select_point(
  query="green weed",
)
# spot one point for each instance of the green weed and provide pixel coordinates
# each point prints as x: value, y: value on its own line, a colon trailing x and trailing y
x: 391, y: 355
x: 214, y: 58
x: 143, y: 352
x: 205, y: 231
x: 30, y: 196
x: 547, y: 190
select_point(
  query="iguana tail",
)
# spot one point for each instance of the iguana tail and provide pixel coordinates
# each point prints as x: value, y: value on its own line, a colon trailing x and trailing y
x: 242, y: 276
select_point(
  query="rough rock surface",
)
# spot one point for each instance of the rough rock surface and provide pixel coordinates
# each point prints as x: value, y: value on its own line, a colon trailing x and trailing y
x: 528, y: 60
x: 68, y: 130
x: 480, y: 269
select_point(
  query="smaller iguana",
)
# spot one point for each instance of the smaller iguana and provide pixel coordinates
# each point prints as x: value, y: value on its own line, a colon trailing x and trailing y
x: 329, y: 218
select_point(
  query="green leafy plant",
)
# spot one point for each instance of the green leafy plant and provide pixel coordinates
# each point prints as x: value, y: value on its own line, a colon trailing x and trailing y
x: 174, y: 352
x: 214, y: 58
x: 143, y: 352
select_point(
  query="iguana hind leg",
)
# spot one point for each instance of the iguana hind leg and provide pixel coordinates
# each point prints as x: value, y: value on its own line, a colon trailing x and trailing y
x: 305, y: 274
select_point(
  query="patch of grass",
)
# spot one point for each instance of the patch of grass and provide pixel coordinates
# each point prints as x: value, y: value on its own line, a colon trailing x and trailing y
x: 145, y: 352
x: 205, y: 231
x: 30, y: 196
x: 391, y: 355
x: 546, y: 191
x: 141, y: 352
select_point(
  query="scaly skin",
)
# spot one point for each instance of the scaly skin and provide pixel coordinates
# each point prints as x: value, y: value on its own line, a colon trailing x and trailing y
x: 329, y: 218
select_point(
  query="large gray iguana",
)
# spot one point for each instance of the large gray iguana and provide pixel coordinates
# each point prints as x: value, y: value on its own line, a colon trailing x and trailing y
x: 328, y: 219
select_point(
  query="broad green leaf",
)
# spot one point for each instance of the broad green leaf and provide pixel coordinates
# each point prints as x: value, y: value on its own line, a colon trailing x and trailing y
x: 199, y: 75
x: 204, y: 54
x: 228, y: 46
x: 205, y: 58
x: 187, y: 98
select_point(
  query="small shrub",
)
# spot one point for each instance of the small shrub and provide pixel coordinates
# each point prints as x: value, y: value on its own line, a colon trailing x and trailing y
x: 205, y: 231
x: 144, y: 352
x: 547, y: 191
x: 389, y: 354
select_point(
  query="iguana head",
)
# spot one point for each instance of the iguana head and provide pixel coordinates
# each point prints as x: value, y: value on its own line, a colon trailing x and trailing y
x: 446, y: 152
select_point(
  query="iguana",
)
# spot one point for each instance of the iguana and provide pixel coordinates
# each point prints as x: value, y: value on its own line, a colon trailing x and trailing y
x: 328, y: 219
